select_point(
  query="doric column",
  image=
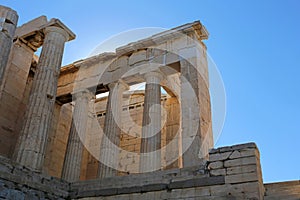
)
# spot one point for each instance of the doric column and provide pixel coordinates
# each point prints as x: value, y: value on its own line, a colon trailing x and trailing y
x: 33, y: 137
x: 8, y: 23
x: 109, y: 152
x: 150, y: 159
x: 72, y: 163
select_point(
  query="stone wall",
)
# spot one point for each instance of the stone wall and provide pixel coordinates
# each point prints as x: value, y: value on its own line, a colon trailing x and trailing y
x: 232, y: 173
x: 284, y: 190
x: 14, y: 96
x: 18, y: 182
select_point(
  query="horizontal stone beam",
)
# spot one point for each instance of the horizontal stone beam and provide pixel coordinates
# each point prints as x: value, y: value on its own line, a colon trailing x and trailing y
x: 97, y: 72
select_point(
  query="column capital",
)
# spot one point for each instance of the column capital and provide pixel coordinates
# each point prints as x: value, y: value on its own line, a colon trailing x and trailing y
x: 154, y: 77
x: 8, y: 15
x: 119, y: 83
x: 57, y: 30
x: 83, y: 93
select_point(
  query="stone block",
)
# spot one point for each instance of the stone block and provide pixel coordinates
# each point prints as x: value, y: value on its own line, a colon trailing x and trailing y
x: 197, y: 182
x: 240, y: 161
x: 217, y: 172
x: 213, y: 151
x: 219, y: 156
x: 154, y: 187
x: 243, y: 153
x: 241, y: 178
x: 128, y: 190
x: 216, y: 165
x: 237, y: 147
x: 241, y: 169
x: 237, y: 191
x: 202, y: 191
x: 137, y: 57
x: 31, y: 26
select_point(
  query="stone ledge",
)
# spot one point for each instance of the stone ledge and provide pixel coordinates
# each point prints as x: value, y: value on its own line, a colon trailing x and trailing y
x: 197, y: 182
x: 96, y: 191
x: 283, y: 184
x: 282, y: 190
x: 251, y: 145
x: 141, y: 183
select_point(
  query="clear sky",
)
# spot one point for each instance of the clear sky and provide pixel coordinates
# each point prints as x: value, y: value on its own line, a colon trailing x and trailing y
x: 255, y: 44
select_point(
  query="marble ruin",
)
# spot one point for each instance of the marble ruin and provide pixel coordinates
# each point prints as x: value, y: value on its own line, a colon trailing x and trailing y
x: 61, y: 138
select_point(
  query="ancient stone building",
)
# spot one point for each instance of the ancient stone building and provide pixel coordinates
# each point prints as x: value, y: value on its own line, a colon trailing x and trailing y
x: 61, y: 138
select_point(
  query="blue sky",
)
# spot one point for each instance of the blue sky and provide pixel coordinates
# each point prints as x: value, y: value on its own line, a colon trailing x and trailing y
x: 255, y: 45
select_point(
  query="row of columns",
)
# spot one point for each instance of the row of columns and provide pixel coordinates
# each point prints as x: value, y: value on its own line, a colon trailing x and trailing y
x: 109, y: 151
x: 32, y: 142
x: 30, y: 149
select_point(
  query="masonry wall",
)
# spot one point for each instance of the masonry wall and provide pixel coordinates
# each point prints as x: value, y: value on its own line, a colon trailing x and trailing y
x: 232, y: 173
x: 14, y: 96
x: 18, y: 182
x: 289, y: 190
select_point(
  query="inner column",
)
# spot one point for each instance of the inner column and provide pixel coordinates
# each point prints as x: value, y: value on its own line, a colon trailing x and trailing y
x: 150, y: 157
x: 72, y: 163
x: 109, y: 150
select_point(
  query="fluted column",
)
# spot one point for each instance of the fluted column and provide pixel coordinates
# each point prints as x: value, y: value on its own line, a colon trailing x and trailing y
x: 150, y: 159
x: 31, y: 145
x: 72, y: 163
x: 8, y: 23
x: 109, y: 152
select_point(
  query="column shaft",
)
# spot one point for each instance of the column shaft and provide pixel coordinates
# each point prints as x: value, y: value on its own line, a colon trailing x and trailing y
x: 109, y: 151
x: 72, y: 163
x: 150, y: 158
x: 8, y: 23
x: 33, y: 137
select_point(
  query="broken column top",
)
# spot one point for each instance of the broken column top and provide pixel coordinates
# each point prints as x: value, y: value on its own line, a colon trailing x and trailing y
x: 8, y: 14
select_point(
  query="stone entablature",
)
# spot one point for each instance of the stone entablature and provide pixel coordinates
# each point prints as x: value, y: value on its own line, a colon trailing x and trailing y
x: 165, y: 49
